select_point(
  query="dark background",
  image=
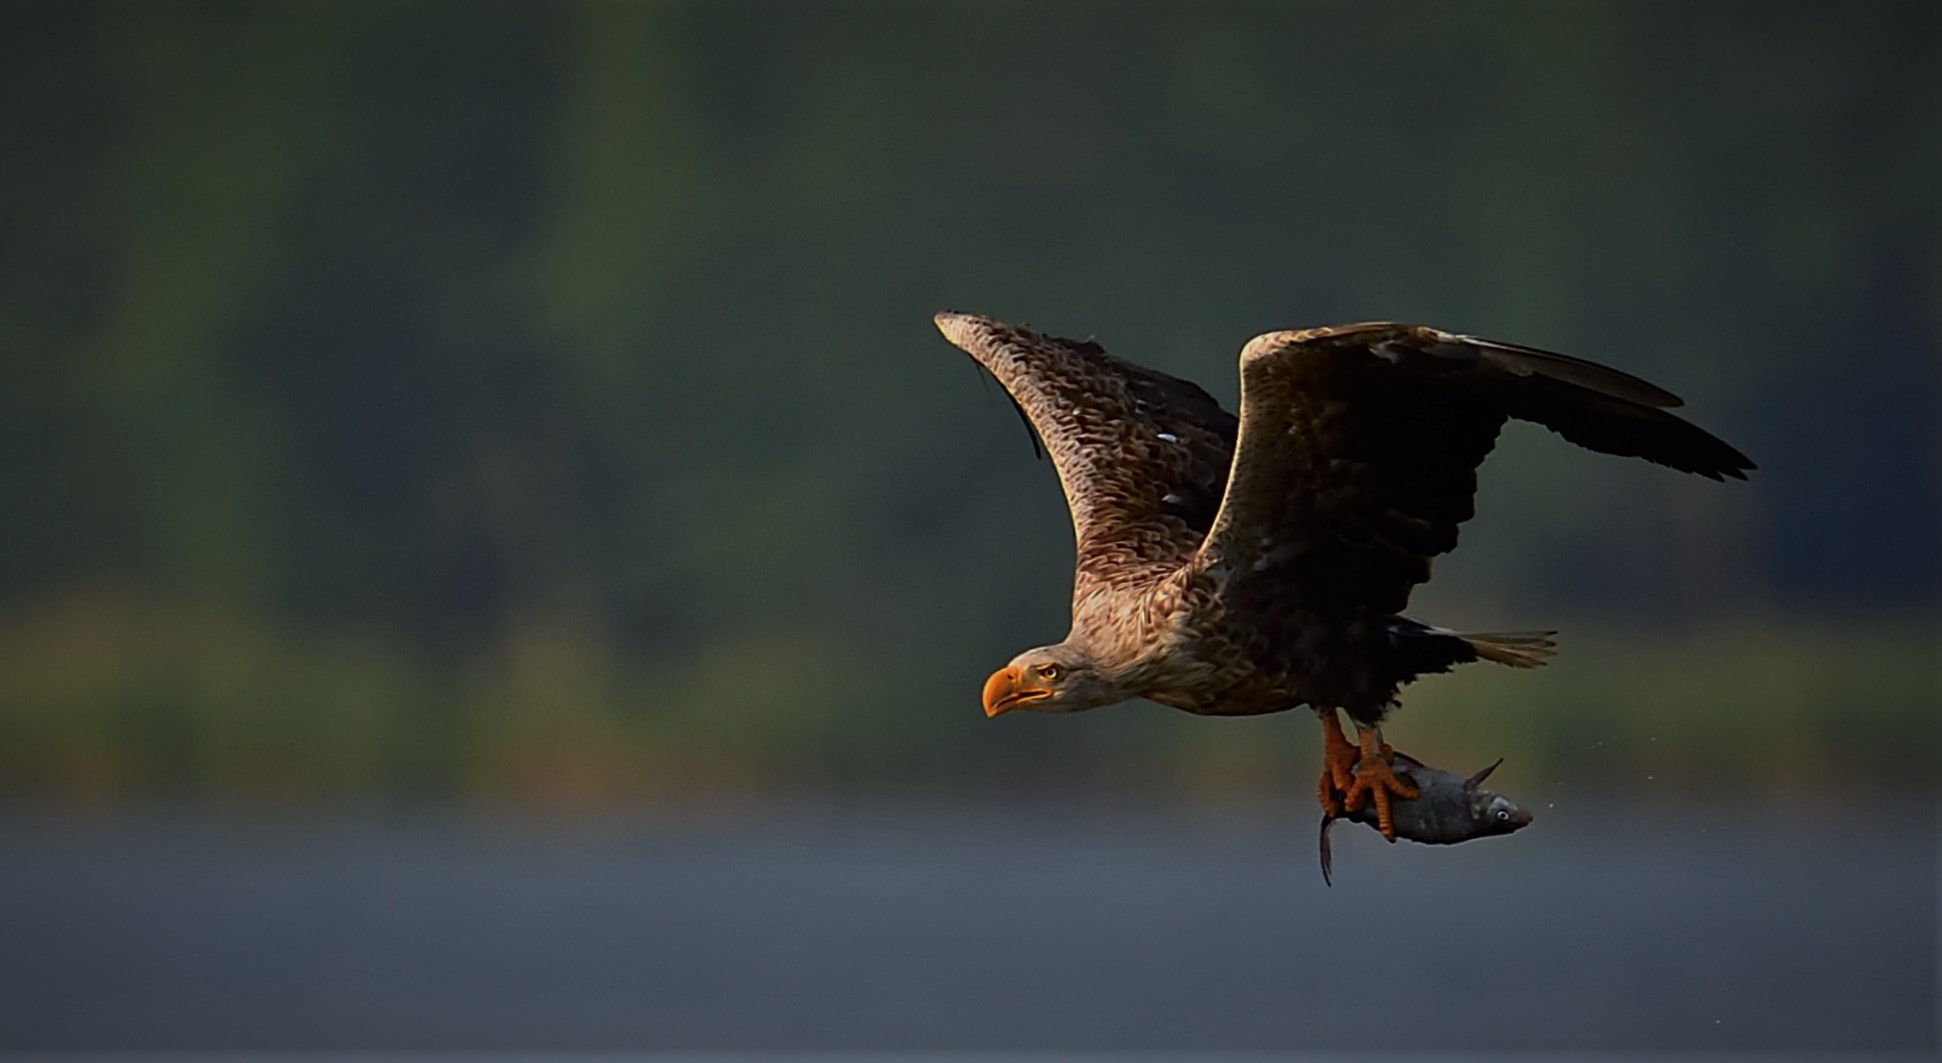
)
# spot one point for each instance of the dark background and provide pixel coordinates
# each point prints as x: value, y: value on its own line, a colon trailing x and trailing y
x: 424, y: 417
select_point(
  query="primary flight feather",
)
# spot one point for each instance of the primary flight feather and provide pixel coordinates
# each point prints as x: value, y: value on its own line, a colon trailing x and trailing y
x: 1237, y: 566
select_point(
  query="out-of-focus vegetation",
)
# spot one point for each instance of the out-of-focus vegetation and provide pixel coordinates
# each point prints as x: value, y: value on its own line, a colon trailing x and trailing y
x: 106, y: 704
x: 539, y: 403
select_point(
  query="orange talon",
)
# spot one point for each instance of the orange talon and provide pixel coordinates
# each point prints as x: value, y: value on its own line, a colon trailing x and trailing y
x: 1374, y: 777
x: 1338, y: 765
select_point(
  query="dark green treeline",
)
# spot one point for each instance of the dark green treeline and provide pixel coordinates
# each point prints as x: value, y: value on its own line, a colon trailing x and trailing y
x: 540, y: 401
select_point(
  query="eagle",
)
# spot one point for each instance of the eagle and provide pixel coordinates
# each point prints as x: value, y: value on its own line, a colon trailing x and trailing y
x: 1234, y: 566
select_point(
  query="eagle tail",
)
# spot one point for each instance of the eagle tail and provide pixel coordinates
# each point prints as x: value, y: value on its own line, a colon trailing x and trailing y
x: 1518, y: 649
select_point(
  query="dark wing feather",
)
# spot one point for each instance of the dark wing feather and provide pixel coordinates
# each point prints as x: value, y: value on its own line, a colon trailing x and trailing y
x: 1359, y: 447
x: 1143, y: 456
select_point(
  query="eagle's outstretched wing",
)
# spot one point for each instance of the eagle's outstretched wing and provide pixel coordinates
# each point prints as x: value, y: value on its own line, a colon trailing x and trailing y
x: 1143, y: 456
x: 1359, y: 446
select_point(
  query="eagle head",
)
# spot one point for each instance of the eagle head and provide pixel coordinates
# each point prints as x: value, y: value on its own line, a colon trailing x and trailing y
x: 1060, y: 678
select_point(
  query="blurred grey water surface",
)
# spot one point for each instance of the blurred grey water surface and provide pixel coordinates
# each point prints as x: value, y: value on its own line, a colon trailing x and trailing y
x: 975, y: 927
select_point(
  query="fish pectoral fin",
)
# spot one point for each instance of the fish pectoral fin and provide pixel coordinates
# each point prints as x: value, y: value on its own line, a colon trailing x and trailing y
x: 1328, y: 858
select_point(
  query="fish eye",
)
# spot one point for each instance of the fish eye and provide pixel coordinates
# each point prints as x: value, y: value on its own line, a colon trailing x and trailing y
x: 1049, y: 672
x: 1503, y: 815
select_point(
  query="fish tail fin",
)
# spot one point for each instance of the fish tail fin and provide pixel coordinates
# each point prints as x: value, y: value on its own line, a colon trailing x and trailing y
x: 1518, y: 649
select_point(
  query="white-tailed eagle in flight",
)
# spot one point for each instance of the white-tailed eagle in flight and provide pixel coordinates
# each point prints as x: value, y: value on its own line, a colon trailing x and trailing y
x: 1236, y: 566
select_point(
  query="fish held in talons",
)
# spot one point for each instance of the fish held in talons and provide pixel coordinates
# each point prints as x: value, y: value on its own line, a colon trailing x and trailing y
x: 1448, y: 808
x: 1374, y: 777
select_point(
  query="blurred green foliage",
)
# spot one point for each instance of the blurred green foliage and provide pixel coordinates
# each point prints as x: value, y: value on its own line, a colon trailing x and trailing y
x: 539, y: 402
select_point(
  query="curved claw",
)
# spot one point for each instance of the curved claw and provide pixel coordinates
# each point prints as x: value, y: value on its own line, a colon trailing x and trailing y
x: 1338, y: 766
x: 1376, y: 779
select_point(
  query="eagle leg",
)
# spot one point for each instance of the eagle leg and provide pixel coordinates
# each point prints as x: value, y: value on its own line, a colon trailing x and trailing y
x: 1338, y: 764
x: 1376, y: 778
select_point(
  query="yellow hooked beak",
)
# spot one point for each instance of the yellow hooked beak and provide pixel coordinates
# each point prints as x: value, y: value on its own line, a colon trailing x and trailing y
x: 1006, y: 690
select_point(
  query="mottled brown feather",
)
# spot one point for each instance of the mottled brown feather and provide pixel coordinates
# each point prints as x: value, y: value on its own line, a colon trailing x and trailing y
x: 1142, y: 456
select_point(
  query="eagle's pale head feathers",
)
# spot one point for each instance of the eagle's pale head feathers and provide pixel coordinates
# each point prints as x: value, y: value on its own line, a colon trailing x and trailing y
x: 1059, y: 678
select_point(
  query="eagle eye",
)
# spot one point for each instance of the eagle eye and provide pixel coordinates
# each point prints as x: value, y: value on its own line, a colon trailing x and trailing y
x: 1049, y: 672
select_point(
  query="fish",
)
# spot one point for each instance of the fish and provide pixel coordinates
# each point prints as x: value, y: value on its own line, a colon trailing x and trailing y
x: 1447, y: 809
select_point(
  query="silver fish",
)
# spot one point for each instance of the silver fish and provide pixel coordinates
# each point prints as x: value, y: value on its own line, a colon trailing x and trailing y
x: 1447, y: 809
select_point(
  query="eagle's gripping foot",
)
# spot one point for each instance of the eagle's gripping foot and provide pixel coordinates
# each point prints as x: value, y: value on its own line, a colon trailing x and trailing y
x: 1338, y: 765
x: 1376, y: 778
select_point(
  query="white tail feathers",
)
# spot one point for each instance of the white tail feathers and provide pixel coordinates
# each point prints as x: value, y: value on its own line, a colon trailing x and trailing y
x: 1519, y: 649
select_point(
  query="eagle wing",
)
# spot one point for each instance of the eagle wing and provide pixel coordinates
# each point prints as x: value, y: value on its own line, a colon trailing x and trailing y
x: 1359, y: 446
x: 1142, y: 456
